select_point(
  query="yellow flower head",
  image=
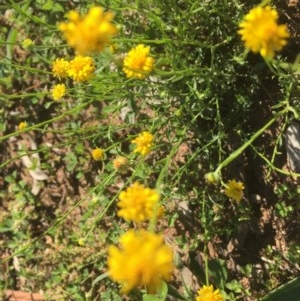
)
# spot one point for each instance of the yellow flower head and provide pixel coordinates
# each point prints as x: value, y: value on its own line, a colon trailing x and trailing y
x: 137, y: 63
x: 143, y: 260
x: 81, y: 68
x: 81, y: 241
x: 22, y: 125
x: 261, y: 33
x: 207, y: 293
x: 120, y: 163
x: 89, y: 33
x: 27, y: 43
x: 58, y: 91
x: 144, y: 142
x: 138, y: 203
x: 234, y: 190
x: 98, y: 154
x: 60, y: 68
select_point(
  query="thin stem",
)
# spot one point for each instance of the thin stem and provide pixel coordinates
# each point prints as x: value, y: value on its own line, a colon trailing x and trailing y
x: 206, y: 264
x: 273, y: 167
x: 240, y: 150
x: 39, y: 125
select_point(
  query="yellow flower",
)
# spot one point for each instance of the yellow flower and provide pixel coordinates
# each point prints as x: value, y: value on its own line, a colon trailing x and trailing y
x: 138, y: 203
x: 81, y: 68
x: 234, y: 190
x: 261, y: 33
x: 81, y: 241
x: 98, y: 154
x: 60, y: 68
x: 89, y: 33
x: 120, y: 163
x: 94, y: 199
x: 27, y: 43
x: 137, y: 63
x: 207, y: 293
x: 143, y: 260
x: 58, y: 91
x: 22, y: 125
x: 144, y: 142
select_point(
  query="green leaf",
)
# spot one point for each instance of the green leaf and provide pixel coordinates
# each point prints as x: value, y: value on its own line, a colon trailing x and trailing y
x: 49, y: 5
x: 217, y: 270
x: 2, y: 127
x: 163, y: 291
x: 160, y: 296
x: 234, y: 286
x: 71, y: 161
x: 289, y: 291
x: 151, y: 298
x: 100, y: 277
x: 5, y: 229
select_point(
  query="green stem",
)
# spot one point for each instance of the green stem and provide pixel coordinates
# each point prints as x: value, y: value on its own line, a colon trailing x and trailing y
x: 159, y: 182
x: 29, y: 69
x: 273, y: 167
x: 39, y: 125
x: 206, y: 264
x: 33, y: 18
x: 240, y: 150
x: 205, y: 249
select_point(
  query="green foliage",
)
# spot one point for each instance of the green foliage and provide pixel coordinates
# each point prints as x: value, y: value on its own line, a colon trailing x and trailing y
x: 288, y: 291
x: 161, y: 296
x: 213, y: 108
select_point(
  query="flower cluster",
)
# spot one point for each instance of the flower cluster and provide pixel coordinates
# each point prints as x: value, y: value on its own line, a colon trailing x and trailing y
x: 90, y: 33
x: 137, y: 63
x: 138, y: 203
x: 207, y: 293
x: 98, y: 154
x: 143, y: 260
x: 60, y: 68
x: 144, y: 143
x: 234, y: 190
x: 81, y: 68
x: 261, y: 33
x: 27, y: 43
x: 121, y: 164
x: 58, y: 91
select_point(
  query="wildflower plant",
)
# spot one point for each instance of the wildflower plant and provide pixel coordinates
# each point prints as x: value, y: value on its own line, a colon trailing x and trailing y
x: 89, y: 33
x: 121, y: 164
x: 137, y: 63
x: 81, y: 68
x: 261, y: 33
x: 98, y: 154
x: 143, y: 260
x: 60, y: 68
x: 58, y: 91
x: 143, y: 142
x: 138, y: 203
x: 207, y: 293
x: 234, y: 190
x: 176, y: 88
